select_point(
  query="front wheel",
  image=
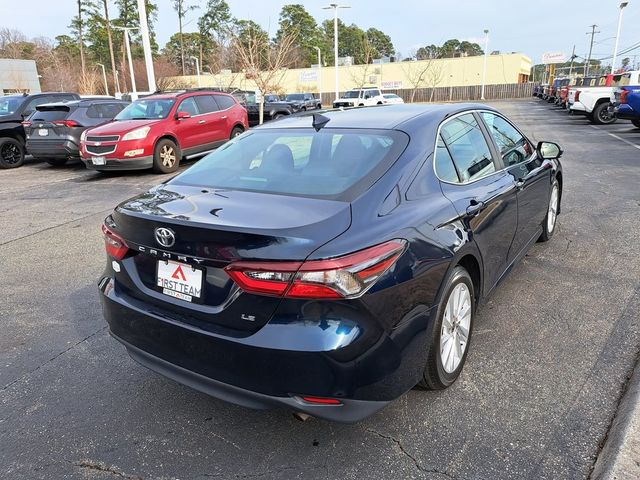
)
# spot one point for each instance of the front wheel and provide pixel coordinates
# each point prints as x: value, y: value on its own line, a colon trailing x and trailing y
x: 450, y: 333
x: 602, y: 115
x: 11, y: 153
x: 636, y: 123
x: 166, y: 156
x: 235, y: 132
x: 549, y: 223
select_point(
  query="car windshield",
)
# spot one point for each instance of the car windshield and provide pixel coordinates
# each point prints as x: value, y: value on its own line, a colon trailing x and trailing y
x: 352, y: 94
x: 294, y: 96
x: 147, y: 109
x: 8, y: 105
x: 331, y: 163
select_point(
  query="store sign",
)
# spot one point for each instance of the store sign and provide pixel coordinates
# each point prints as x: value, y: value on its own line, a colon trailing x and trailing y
x: 393, y: 85
x: 308, y: 77
x: 553, y: 57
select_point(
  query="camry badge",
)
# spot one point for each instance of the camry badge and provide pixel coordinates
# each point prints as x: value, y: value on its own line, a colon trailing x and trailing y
x: 165, y: 237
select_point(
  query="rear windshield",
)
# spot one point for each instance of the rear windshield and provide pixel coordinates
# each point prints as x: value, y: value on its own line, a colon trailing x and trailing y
x: 147, y: 109
x: 8, y: 105
x: 49, y: 114
x: 294, y: 96
x: 331, y: 163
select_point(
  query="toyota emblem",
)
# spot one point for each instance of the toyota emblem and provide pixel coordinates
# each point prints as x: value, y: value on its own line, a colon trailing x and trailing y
x: 165, y: 237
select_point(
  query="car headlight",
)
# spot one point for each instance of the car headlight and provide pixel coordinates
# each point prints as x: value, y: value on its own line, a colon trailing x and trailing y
x: 137, y: 134
x: 83, y: 137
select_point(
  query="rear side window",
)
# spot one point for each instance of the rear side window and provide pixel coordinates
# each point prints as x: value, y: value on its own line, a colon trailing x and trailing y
x: 445, y: 169
x: 104, y: 110
x: 468, y: 148
x: 206, y: 104
x: 332, y: 163
x: 224, y: 102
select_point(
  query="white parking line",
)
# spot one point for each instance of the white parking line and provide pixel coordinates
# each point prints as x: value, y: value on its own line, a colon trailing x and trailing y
x: 617, y: 137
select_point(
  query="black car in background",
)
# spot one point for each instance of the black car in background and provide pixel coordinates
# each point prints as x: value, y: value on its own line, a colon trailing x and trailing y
x: 329, y: 262
x: 53, y: 131
x: 14, y: 109
x: 274, y: 108
x: 302, y: 101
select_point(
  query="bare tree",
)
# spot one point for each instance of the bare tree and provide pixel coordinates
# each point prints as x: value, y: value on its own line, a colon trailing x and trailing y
x: 360, y: 73
x: 435, y: 75
x: 182, y: 8
x: 417, y: 73
x: 262, y: 61
x: 11, y: 42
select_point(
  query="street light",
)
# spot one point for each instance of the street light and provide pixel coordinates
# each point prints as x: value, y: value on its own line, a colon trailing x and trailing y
x: 484, y: 68
x: 195, y: 59
x: 134, y: 93
x: 104, y: 76
x: 615, y: 49
x: 319, y: 74
x: 335, y: 7
x: 146, y: 45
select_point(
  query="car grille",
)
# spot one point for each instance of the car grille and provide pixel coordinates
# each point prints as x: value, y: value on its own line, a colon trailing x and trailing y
x: 342, y: 104
x: 100, y: 149
x: 106, y: 138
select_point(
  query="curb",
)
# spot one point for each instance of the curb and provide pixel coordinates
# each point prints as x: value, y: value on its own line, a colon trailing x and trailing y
x: 620, y: 456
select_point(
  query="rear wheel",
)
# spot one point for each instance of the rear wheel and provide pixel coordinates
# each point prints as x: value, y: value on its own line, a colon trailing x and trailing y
x: 450, y: 333
x: 277, y: 116
x: 166, y: 157
x: 549, y: 224
x: 11, y: 153
x: 56, y: 162
x: 636, y: 123
x: 602, y: 115
x: 235, y: 132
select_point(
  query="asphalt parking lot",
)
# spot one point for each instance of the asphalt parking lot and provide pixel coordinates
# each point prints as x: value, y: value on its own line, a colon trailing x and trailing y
x: 549, y: 358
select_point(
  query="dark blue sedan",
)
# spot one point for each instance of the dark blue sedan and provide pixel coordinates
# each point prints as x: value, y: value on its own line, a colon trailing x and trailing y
x: 330, y: 262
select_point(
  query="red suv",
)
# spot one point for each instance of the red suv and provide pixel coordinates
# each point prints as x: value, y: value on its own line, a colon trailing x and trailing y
x: 159, y: 130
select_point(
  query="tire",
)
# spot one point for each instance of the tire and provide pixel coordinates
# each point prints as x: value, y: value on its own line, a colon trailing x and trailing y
x: 56, y: 162
x: 277, y: 116
x: 235, y: 132
x: 551, y: 218
x: 601, y: 115
x: 438, y: 373
x: 11, y: 153
x: 166, y: 156
x: 361, y: 105
x: 636, y: 123
x: 304, y: 109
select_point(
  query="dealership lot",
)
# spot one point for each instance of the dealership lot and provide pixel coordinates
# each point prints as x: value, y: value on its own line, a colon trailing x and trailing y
x: 549, y: 358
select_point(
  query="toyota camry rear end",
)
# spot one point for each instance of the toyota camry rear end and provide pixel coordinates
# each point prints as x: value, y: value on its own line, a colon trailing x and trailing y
x: 275, y: 271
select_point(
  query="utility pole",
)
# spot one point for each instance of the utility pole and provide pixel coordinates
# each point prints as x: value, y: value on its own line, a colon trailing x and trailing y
x: 484, y: 66
x: 615, y: 49
x: 335, y: 8
x: 146, y: 45
x: 104, y: 77
x: 592, y: 33
x: 134, y: 90
x: 573, y: 57
x: 319, y: 73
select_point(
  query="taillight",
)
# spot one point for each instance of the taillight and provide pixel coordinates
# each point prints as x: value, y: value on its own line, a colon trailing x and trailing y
x: 344, y: 277
x: 114, y: 244
x: 577, y: 97
x: 26, y: 124
x: 67, y: 123
x: 321, y: 400
x: 623, y: 96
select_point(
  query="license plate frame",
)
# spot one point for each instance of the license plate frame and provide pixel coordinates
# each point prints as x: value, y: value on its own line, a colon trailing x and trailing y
x: 43, y: 132
x: 189, y: 281
x: 99, y: 160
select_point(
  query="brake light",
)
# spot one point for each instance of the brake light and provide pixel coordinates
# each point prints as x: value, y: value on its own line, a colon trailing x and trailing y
x: 322, y: 400
x: 26, y: 124
x: 623, y: 96
x: 577, y: 97
x: 67, y: 123
x: 348, y: 276
x: 114, y: 244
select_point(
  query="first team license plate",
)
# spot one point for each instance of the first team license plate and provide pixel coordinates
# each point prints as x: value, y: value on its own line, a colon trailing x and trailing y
x: 179, y: 280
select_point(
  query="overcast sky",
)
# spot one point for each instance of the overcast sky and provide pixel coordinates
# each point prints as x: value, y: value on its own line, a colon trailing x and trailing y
x: 531, y: 26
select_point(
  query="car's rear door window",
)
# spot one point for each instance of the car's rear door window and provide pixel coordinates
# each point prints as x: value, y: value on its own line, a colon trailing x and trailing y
x: 468, y: 147
x: 206, y: 104
x: 331, y: 163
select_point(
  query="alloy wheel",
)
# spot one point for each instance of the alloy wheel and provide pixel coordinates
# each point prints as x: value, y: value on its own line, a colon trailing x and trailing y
x: 168, y: 156
x: 456, y: 322
x: 552, y: 214
x: 10, y: 153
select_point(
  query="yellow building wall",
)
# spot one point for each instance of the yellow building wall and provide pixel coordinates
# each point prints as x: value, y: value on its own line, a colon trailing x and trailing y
x: 450, y: 72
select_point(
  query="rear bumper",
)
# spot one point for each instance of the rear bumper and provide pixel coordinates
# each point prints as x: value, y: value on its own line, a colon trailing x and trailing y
x: 280, y: 362
x: 52, y: 149
x: 138, y: 163
x: 625, y: 112
x: 578, y: 108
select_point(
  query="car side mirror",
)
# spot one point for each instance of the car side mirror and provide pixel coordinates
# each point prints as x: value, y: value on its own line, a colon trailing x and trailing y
x: 548, y: 150
x: 182, y: 115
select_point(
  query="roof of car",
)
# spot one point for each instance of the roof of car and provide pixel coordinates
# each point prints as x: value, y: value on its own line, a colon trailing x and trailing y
x: 83, y: 102
x: 185, y: 92
x: 379, y: 116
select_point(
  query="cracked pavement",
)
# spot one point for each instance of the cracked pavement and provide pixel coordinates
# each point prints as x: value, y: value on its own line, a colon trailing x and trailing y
x: 549, y: 356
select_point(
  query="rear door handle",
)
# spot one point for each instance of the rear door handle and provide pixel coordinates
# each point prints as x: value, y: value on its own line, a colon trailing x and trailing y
x: 475, y: 207
x: 224, y: 117
x: 201, y: 121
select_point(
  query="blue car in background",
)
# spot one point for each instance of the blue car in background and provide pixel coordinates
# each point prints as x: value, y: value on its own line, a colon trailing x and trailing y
x: 627, y: 104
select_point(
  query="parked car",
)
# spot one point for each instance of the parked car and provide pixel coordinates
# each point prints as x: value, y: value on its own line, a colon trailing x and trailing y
x: 360, y: 97
x: 391, y: 98
x: 159, y: 130
x: 53, y: 131
x: 321, y: 263
x: 626, y: 102
x: 14, y: 109
x: 595, y: 102
x: 303, y: 101
x: 273, y: 108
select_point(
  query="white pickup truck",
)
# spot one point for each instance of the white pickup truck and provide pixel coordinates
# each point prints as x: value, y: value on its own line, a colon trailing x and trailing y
x: 594, y: 101
x: 360, y: 97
